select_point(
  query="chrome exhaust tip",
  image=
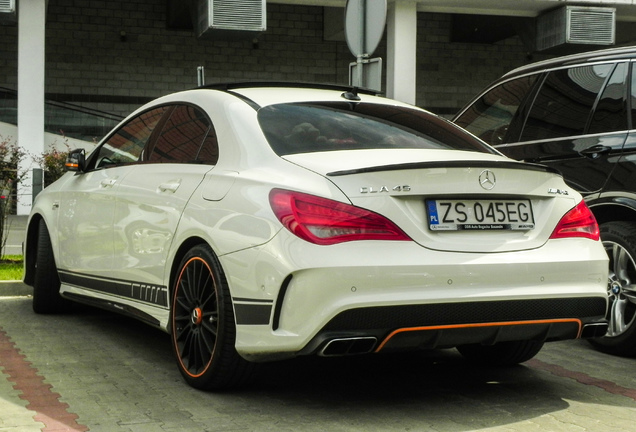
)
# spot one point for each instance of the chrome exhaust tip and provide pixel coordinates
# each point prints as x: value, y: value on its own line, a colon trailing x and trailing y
x: 594, y: 330
x: 348, y: 346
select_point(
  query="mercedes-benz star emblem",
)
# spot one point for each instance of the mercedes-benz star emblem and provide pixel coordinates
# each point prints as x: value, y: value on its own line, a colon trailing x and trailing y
x: 487, y: 179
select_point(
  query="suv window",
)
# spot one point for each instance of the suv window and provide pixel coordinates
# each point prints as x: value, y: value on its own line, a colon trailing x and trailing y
x: 127, y: 144
x: 611, y: 111
x: 187, y: 136
x: 316, y: 127
x: 564, y: 103
x: 491, y: 115
x: 633, y: 97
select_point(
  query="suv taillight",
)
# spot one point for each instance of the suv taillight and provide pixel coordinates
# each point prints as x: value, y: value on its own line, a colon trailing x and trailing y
x: 323, y: 221
x: 578, y: 222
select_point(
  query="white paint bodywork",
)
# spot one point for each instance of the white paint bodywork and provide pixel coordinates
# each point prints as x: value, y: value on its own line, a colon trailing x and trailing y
x: 129, y: 223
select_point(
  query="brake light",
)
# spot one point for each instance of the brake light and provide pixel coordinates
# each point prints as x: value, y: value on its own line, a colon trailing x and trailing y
x: 323, y: 221
x: 578, y: 222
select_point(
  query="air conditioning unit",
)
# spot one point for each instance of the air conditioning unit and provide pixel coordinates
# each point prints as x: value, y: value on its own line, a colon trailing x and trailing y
x: 7, y: 6
x: 576, y: 26
x: 7, y: 11
x: 230, y: 19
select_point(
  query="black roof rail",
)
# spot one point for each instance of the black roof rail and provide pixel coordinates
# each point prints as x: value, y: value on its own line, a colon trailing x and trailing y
x: 293, y: 84
x: 615, y: 53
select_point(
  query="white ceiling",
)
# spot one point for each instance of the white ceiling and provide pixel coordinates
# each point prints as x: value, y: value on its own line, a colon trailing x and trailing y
x: 625, y: 9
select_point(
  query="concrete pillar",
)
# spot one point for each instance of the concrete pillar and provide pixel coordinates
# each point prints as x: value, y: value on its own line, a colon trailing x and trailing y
x: 31, y: 22
x: 401, y: 50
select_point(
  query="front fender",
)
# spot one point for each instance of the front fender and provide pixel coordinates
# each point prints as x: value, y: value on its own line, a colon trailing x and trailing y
x: 45, y: 207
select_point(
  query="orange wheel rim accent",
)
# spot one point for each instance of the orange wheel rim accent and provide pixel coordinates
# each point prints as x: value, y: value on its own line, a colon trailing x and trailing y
x: 195, y: 319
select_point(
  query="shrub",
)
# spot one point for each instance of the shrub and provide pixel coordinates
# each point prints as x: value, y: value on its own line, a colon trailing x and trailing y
x: 52, y: 163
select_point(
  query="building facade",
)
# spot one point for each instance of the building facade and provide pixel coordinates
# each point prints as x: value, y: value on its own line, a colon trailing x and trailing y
x: 115, y: 55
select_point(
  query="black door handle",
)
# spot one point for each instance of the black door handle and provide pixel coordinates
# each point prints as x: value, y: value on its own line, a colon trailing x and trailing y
x: 595, y: 151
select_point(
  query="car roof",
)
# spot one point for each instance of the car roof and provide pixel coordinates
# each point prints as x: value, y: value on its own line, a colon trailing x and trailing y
x: 262, y: 93
x: 259, y: 94
x: 626, y: 52
x: 229, y: 86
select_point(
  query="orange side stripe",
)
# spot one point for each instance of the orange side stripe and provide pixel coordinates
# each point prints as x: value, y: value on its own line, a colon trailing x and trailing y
x: 476, y: 325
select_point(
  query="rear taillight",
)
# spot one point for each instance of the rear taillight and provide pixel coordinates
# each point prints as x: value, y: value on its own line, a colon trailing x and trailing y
x: 323, y: 221
x: 578, y: 222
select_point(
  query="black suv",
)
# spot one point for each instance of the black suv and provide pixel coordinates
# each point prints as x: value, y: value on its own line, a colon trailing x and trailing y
x: 578, y: 115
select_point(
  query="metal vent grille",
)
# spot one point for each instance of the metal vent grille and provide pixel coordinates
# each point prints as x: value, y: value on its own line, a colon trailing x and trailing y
x: 591, y: 26
x: 246, y: 15
x: 7, y: 6
x: 576, y: 25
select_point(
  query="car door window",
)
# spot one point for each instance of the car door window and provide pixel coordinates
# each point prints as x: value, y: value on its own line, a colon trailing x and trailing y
x: 490, y: 117
x: 611, y: 110
x: 186, y: 136
x: 127, y: 144
x: 564, y: 102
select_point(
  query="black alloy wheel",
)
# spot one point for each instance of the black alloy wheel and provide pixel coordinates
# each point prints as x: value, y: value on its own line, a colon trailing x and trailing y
x: 46, y: 281
x: 203, y: 326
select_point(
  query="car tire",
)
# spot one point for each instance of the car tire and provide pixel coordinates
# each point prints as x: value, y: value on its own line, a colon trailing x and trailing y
x: 502, y: 353
x: 203, y: 329
x: 46, y: 281
x: 619, y: 239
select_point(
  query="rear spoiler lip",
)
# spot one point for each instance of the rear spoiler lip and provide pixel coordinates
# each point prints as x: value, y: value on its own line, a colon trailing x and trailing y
x: 448, y: 164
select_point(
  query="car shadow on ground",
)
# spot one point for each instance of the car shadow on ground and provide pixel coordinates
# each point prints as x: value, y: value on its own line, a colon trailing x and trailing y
x: 367, y: 374
x: 425, y: 386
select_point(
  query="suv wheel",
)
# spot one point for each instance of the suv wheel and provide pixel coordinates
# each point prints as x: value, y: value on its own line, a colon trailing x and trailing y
x: 619, y: 239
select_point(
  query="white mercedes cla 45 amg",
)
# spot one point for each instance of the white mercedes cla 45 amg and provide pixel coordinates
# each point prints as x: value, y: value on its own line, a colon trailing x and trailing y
x: 255, y: 222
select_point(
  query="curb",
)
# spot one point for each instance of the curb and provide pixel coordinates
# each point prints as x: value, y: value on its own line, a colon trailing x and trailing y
x: 14, y: 288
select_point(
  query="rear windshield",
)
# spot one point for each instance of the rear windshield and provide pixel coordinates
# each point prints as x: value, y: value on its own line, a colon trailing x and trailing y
x: 317, y: 127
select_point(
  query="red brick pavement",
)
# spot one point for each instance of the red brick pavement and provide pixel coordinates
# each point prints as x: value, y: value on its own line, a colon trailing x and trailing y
x: 49, y: 410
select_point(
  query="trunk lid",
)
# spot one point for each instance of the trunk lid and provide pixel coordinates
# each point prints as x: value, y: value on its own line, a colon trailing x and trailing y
x: 404, y: 185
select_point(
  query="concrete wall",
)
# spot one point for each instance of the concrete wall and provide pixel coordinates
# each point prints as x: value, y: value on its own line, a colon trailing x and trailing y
x: 91, y: 62
x: 450, y: 74
x: 52, y: 141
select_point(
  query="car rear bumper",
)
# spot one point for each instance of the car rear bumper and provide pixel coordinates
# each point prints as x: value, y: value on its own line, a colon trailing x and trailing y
x: 398, y: 295
x: 399, y: 328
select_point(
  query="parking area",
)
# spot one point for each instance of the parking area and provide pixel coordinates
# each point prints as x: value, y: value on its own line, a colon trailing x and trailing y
x: 98, y: 371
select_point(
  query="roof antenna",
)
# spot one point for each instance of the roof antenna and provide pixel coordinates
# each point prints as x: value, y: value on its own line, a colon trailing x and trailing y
x: 351, y: 95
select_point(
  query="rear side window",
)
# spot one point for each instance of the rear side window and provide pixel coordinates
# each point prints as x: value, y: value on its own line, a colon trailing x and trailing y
x: 318, y: 127
x: 127, y: 144
x: 611, y: 110
x: 564, y: 102
x: 186, y: 136
x: 490, y: 116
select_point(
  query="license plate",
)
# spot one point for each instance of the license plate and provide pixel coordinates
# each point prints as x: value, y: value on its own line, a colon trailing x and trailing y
x: 455, y: 215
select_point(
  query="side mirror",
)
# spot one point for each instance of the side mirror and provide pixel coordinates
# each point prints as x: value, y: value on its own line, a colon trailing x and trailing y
x: 76, y: 160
